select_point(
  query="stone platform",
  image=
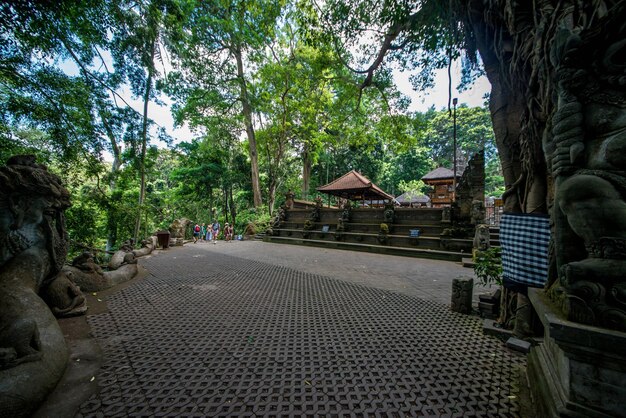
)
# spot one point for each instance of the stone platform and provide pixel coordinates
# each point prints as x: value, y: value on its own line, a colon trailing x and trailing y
x: 361, y: 232
x: 211, y: 334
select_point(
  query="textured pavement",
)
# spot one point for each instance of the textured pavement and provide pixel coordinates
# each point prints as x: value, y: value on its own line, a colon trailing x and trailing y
x: 238, y: 330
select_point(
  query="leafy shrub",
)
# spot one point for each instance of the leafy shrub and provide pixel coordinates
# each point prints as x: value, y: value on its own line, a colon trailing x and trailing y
x: 488, y: 266
x: 256, y: 220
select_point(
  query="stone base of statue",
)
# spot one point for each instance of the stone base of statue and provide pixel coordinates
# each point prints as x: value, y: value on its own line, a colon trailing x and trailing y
x: 579, y: 370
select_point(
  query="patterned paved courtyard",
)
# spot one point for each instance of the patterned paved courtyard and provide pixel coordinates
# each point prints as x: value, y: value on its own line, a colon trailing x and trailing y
x: 207, y: 333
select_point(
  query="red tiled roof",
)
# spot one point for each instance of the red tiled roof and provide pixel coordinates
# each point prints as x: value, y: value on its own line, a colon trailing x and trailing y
x: 439, y: 174
x: 353, y: 183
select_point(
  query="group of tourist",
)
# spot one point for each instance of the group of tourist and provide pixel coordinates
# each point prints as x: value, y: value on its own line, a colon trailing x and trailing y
x: 210, y: 232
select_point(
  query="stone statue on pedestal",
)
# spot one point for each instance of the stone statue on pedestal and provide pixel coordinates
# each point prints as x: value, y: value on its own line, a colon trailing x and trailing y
x: 33, y: 248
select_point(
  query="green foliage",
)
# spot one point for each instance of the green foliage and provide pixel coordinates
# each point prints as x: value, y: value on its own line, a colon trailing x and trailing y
x: 64, y: 66
x: 84, y: 222
x: 253, y: 219
x: 488, y: 266
x: 416, y: 187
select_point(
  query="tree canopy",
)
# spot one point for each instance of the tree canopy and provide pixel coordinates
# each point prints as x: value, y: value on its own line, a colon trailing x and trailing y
x: 281, y: 95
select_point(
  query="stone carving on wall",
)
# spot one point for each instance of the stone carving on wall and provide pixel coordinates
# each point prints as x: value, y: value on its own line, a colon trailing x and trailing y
x: 585, y: 153
x: 33, y: 247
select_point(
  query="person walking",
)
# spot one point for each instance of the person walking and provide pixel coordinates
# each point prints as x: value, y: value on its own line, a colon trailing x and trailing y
x: 196, y: 233
x: 216, y: 230
x: 203, y: 230
x: 228, y: 232
x: 209, y: 230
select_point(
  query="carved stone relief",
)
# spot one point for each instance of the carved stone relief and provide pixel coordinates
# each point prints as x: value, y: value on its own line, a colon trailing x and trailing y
x: 33, y: 247
x: 585, y: 152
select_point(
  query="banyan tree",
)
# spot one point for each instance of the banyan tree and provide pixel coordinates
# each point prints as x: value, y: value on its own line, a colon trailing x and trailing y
x: 557, y: 70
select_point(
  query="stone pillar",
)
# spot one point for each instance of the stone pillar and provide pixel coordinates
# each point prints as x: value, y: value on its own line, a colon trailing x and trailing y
x: 470, y: 192
x: 462, y: 291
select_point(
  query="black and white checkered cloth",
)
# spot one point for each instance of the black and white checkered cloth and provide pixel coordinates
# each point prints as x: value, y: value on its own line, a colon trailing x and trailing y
x: 524, y: 239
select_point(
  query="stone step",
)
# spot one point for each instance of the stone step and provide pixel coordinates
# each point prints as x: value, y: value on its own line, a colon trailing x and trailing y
x: 397, y: 229
x: 381, y: 249
x: 394, y: 240
x: 468, y: 262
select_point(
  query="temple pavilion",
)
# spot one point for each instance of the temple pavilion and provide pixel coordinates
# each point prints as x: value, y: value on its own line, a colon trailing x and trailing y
x: 441, y: 180
x: 356, y: 187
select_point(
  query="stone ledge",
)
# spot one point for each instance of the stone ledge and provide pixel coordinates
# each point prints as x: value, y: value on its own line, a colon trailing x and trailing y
x: 579, y: 370
x: 575, y: 334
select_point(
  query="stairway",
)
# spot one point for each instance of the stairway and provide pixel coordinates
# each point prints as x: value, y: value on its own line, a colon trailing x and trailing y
x: 362, y: 233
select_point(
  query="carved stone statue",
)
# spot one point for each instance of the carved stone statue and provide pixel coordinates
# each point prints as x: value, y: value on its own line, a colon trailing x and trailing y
x: 177, y: 231
x: 340, y: 229
x: 446, y: 215
x: 33, y: 247
x: 281, y: 216
x: 482, y: 237
x: 346, y: 212
x: 389, y: 212
x: 586, y: 155
x: 63, y: 296
x: 478, y: 212
x: 90, y: 277
x: 315, y: 214
x: 122, y: 256
x: 289, y: 202
x: 147, y: 246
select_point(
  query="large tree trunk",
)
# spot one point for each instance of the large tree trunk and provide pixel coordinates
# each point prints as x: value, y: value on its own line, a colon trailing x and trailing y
x: 233, y: 209
x: 306, y: 172
x: 247, y: 117
x: 523, y: 168
x: 271, y: 198
x: 117, y: 163
x: 144, y: 144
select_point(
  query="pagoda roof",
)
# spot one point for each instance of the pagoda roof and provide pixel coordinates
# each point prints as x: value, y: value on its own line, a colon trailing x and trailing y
x: 440, y: 173
x: 412, y: 197
x: 355, y: 186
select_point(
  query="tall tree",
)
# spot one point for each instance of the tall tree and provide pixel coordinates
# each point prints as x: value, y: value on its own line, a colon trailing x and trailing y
x: 138, y: 41
x: 34, y: 37
x: 213, y: 79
